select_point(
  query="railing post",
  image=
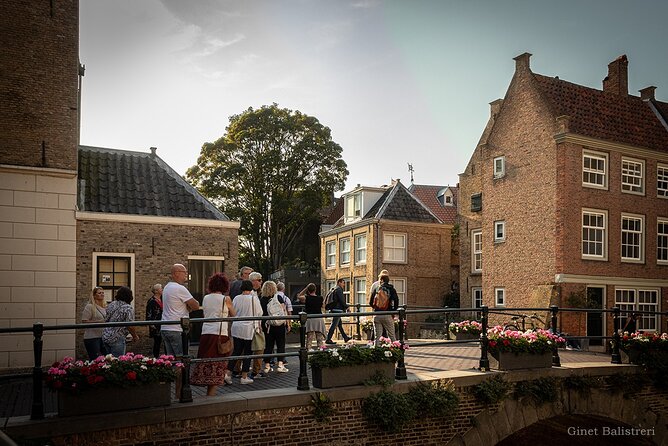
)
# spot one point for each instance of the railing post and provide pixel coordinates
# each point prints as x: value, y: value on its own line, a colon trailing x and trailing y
x: 556, y: 361
x: 400, y: 372
x: 616, y: 357
x: 37, y: 411
x: 302, y: 381
x: 358, y: 308
x: 484, y: 360
x: 186, y: 395
x: 447, y: 325
x: 405, y: 307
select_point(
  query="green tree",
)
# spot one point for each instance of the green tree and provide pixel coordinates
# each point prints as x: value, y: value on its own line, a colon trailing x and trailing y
x: 272, y: 170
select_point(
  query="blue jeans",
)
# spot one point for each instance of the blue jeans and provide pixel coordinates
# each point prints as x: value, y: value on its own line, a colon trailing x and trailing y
x: 173, y: 342
x: 94, y: 348
x: 336, y: 322
x: 116, y: 348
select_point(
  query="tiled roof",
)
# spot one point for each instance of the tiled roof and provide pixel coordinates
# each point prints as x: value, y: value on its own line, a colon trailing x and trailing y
x: 428, y: 195
x: 336, y: 213
x: 605, y: 115
x: 137, y: 183
x: 397, y: 203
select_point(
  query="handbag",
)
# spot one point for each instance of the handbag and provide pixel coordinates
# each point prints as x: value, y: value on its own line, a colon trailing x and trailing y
x: 224, y: 345
x: 258, y: 342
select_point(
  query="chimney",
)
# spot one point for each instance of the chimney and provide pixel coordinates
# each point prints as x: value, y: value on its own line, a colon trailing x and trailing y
x: 153, y: 150
x: 522, y: 62
x: 647, y: 93
x: 617, y: 80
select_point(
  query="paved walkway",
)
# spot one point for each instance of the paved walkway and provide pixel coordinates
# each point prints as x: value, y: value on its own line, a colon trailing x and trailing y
x: 424, y: 356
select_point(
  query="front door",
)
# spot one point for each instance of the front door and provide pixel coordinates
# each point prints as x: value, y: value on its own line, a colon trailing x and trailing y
x: 595, y: 299
x: 199, y: 270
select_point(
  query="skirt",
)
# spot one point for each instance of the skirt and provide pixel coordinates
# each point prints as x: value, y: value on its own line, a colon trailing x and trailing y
x: 209, y: 373
x: 315, y: 325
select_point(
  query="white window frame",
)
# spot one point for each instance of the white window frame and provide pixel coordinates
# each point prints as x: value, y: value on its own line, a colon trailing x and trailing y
x: 633, y: 182
x: 639, y: 235
x: 635, y: 299
x: 604, y: 229
x: 500, y: 297
x: 344, y: 251
x: 588, y: 171
x: 330, y: 254
x: 360, y: 291
x: 399, y: 284
x: 662, y: 181
x: 391, y: 249
x: 108, y: 295
x: 499, y: 167
x: 499, y: 231
x: 360, y: 249
x: 476, y: 297
x: 476, y: 251
x: 353, y: 207
x: 346, y: 289
x: 662, y: 241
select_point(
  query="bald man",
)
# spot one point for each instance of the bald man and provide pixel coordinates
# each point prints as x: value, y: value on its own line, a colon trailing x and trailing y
x: 177, y: 302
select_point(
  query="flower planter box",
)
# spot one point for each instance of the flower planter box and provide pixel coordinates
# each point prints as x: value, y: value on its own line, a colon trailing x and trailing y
x: 111, y: 399
x: 630, y: 357
x: 465, y: 336
x: 349, y: 375
x: 292, y: 337
x: 518, y: 361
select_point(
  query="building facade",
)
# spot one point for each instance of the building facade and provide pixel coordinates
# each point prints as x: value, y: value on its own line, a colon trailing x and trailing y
x: 567, y: 200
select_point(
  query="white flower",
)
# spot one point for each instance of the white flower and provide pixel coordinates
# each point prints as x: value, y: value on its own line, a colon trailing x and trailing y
x: 388, y: 354
x: 335, y: 353
x: 143, y: 367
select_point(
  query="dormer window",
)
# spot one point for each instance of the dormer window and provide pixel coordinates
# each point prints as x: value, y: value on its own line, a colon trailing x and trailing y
x: 353, y: 207
x: 499, y: 167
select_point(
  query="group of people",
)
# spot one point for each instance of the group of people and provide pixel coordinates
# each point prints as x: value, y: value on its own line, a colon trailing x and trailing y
x: 247, y: 296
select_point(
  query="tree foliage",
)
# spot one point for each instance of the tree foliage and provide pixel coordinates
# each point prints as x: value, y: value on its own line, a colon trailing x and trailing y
x: 272, y: 170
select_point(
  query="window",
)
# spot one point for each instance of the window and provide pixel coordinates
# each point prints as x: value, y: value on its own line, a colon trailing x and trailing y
x: 594, y: 174
x: 476, y: 202
x: 112, y: 271
x: 632, y: 238
x: 476, y: 251
x: 394, y: 247
x: 353, y: 207
x: 329, y: 284
x: 631, y: 299
x: 500, y: 297
x: 662, y: 241
x: 499, y: 166
x: 594, y: 234
x: 499, y: 231
x: 632, y: 176
x: 400, y: 287
x: 662, y: 181
x: 360, y: 292
x: 476, y: 294
x: 346, y: 290
x: 330, y: 253
x: 344, y: 251
x: 360, y: 249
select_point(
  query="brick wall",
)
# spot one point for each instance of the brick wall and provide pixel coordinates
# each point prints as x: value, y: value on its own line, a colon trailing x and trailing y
x: 38, y: 85
x: 156, y: 247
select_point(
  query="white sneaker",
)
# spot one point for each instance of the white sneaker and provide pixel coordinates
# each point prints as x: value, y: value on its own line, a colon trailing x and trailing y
x: 282, y: 369
x: 246, y: 381
x: 228, y: 379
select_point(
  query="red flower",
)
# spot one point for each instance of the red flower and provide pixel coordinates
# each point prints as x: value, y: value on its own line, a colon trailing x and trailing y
x: 506, y: 342
x: 131, y: 375
x: 99, y: 379
x: 91, y: 379
x: 492, y: 343
x: 85, y: 371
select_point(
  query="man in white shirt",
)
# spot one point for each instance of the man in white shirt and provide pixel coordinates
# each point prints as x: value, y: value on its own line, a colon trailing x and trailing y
x: 177, y: 302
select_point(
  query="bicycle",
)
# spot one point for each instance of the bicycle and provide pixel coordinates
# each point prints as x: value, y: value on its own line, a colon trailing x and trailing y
x: 515, y: 326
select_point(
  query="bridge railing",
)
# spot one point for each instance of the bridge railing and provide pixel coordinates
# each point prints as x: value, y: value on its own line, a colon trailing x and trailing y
x: 38, y: 329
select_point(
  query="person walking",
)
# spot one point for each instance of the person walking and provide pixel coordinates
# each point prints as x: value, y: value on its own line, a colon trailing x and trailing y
x: 94, y: 313
x: 315, y: 328
x: 119, y: 311
x: 275, y: 334
x: 339, y: 306
x: 245, y: 304
x: 154, y: 313
x: 384, y: 298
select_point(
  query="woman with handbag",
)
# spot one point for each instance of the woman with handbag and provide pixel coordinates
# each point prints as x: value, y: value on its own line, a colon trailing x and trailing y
x: 246, y: 304
x: 215, y: 341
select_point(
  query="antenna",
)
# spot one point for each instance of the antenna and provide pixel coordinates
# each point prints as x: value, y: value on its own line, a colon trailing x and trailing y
x: 410, y: 169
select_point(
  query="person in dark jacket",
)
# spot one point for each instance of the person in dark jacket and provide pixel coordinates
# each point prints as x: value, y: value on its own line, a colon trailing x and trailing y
x: 340, y: 306
x: 154, y: 313
x: 384, y: 321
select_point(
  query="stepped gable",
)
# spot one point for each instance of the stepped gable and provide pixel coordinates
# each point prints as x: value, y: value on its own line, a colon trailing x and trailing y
x: 137, y: 183
x: 607, y: 116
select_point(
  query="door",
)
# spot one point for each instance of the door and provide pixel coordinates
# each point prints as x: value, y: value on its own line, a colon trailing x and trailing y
x: 199, y: 271
x: 595, y: 299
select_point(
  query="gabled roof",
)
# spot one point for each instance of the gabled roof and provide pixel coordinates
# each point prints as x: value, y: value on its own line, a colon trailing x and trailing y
x: 604, y: 115
x: 397, y: 203
x: 137, y: 183
x: 428, y: 195
x: 336, y: 213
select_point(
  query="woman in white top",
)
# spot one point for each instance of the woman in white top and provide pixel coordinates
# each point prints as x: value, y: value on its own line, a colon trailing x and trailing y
x: 215, y: 304
x: 245, y: 304
x: 94, y: 312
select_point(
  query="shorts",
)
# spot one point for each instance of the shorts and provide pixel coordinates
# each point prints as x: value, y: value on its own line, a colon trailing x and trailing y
x: 173, y: 342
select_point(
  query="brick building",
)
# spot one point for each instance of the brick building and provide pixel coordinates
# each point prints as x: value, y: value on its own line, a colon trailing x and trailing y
x: 566, y: 196
x: 387, y: 228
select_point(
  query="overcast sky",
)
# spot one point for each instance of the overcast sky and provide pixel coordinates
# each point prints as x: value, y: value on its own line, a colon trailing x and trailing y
x: 397, y: 82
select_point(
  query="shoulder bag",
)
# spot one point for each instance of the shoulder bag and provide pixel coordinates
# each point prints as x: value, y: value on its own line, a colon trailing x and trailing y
x: 258, y: 336
x: 224, y: 342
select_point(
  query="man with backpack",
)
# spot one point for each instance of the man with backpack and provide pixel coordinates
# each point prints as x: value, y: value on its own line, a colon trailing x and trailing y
x: 383, y: 298
x: 336, y: 304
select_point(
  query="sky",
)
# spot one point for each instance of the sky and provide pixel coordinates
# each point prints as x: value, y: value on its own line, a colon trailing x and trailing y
x: 397, y: 82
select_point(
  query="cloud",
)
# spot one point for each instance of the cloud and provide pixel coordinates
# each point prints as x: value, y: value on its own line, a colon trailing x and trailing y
x: 211, y: 45
x: 366, y: 4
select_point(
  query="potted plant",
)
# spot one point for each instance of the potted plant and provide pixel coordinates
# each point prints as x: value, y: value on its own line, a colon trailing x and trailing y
x: 366, y: 325
x: 292, y: 337
x: 643, y: 348
x: 513, y: 349
x: 466, y: 330
x: 353, y: 364
x: 127, y: 382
